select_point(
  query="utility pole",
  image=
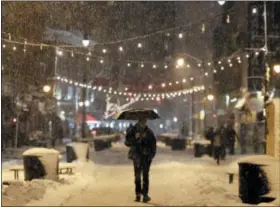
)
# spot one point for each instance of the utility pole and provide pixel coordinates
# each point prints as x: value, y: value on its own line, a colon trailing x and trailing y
x: 193, y: 114
x: 84, y: 95
x: 266, y: 78
x: 204, y: 99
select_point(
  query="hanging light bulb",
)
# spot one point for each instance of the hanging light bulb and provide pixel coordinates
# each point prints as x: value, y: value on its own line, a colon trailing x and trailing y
x: 230, y: 65
x: 247, y: 56
x: 150, y: 87
x: 257, y: 53
x: 203, y: 28
x: 199, y: 64
x: 170, y: 84
x: 104, y: 50
x: 120, y: 48
x: 72, y: 54
x: 142, y: 65
x: 206, y: 74
x: 14, y: 48
x: 154, y: 66
x: 222, y: 68
x: 87, y: 58
x: 4, y: 46
x: 209, y: 64
x: 101, y: 61
x: 89, y: 53
x: 177, y: 82
x: 188, y: 66
x: 163, y: 85
x: 229, y: 60
x: 128, y: 64
x: 214, y: 71
x: 228, y: 19
x: 139, y: 45
x: 184, y: 80
x: 191, y: 78
x: 219, y: 62
x: 165, y: 66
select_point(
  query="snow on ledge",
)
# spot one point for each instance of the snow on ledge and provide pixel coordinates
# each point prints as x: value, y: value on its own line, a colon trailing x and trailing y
x: 39, y: 151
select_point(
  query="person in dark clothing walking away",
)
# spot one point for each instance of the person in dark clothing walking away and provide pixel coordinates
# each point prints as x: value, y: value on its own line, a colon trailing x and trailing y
x: 222, y: 132
x: 210, y: 136
x: 231, y: 134
x: 142, y: 143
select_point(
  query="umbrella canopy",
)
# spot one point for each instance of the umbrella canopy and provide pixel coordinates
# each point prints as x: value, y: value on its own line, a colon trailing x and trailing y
x: 135, y: 114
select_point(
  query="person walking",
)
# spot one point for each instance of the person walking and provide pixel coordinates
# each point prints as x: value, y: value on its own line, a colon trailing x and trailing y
x: 142, y: 143
x: 217, y: 144
x: 210, y: 135
x: 231, y: 135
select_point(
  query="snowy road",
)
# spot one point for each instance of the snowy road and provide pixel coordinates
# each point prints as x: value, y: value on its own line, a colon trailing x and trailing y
x: 176, y: 178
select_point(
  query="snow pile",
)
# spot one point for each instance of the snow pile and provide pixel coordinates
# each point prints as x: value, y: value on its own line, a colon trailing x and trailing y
x: 39, y: 151
x: 19, y: 193
x: 73, y: 185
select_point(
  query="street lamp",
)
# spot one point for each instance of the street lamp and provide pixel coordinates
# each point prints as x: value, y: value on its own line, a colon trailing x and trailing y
x: 85, y: 40
x: 46, y: 88
x: 276, y: 68
x: 210, y: 97
x: 180, y: 62
x: 221, y: 2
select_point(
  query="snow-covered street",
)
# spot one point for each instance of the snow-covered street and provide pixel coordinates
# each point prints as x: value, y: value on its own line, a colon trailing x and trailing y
x: 176, y: 178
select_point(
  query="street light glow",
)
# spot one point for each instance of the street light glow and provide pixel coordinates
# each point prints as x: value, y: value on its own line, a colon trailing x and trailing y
x: 210, y: 97
x: 221, y: 2
x: 180, y: 62
x: 254, y: 10
x: 276, y: 68
x: 46, y: 88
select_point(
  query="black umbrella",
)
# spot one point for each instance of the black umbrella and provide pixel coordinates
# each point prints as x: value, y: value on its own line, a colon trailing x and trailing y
x: 135, y: 114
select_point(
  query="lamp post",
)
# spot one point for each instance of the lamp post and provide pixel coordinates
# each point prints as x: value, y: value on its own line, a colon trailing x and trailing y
x: 181, y: 62
x: 85, y: 43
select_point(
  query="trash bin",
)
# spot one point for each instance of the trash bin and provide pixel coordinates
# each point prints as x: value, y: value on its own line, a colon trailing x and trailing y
x: 253, y: 182
x: 70, y: 154
x: 99, y: 145
x: 178, y: 144
x: 40, y: 163
x: 197, y: 150
x: 77, y: 151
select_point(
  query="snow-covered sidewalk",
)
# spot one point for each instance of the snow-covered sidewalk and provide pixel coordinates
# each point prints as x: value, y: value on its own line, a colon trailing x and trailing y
x: 176, y: 178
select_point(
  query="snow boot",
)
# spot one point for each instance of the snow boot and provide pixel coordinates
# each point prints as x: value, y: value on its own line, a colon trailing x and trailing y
x: 146, y: 198
x: 138, y: 197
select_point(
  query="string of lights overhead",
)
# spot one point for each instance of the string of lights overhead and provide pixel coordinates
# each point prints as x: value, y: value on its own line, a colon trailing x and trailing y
x: 179, y: 64
x: 126, y: 93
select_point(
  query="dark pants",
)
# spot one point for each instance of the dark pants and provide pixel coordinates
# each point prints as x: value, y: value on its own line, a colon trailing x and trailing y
x: 142, y: 167
x: 217, y: 153
x: 231, y: 148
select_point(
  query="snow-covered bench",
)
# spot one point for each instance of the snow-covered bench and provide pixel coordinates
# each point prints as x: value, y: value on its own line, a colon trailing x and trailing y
x: 66, y: 166
x: 16, y: 170
x: 62, y: 166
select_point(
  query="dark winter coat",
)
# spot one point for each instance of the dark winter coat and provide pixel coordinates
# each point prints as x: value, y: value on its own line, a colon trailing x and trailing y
x: 143, y: 146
